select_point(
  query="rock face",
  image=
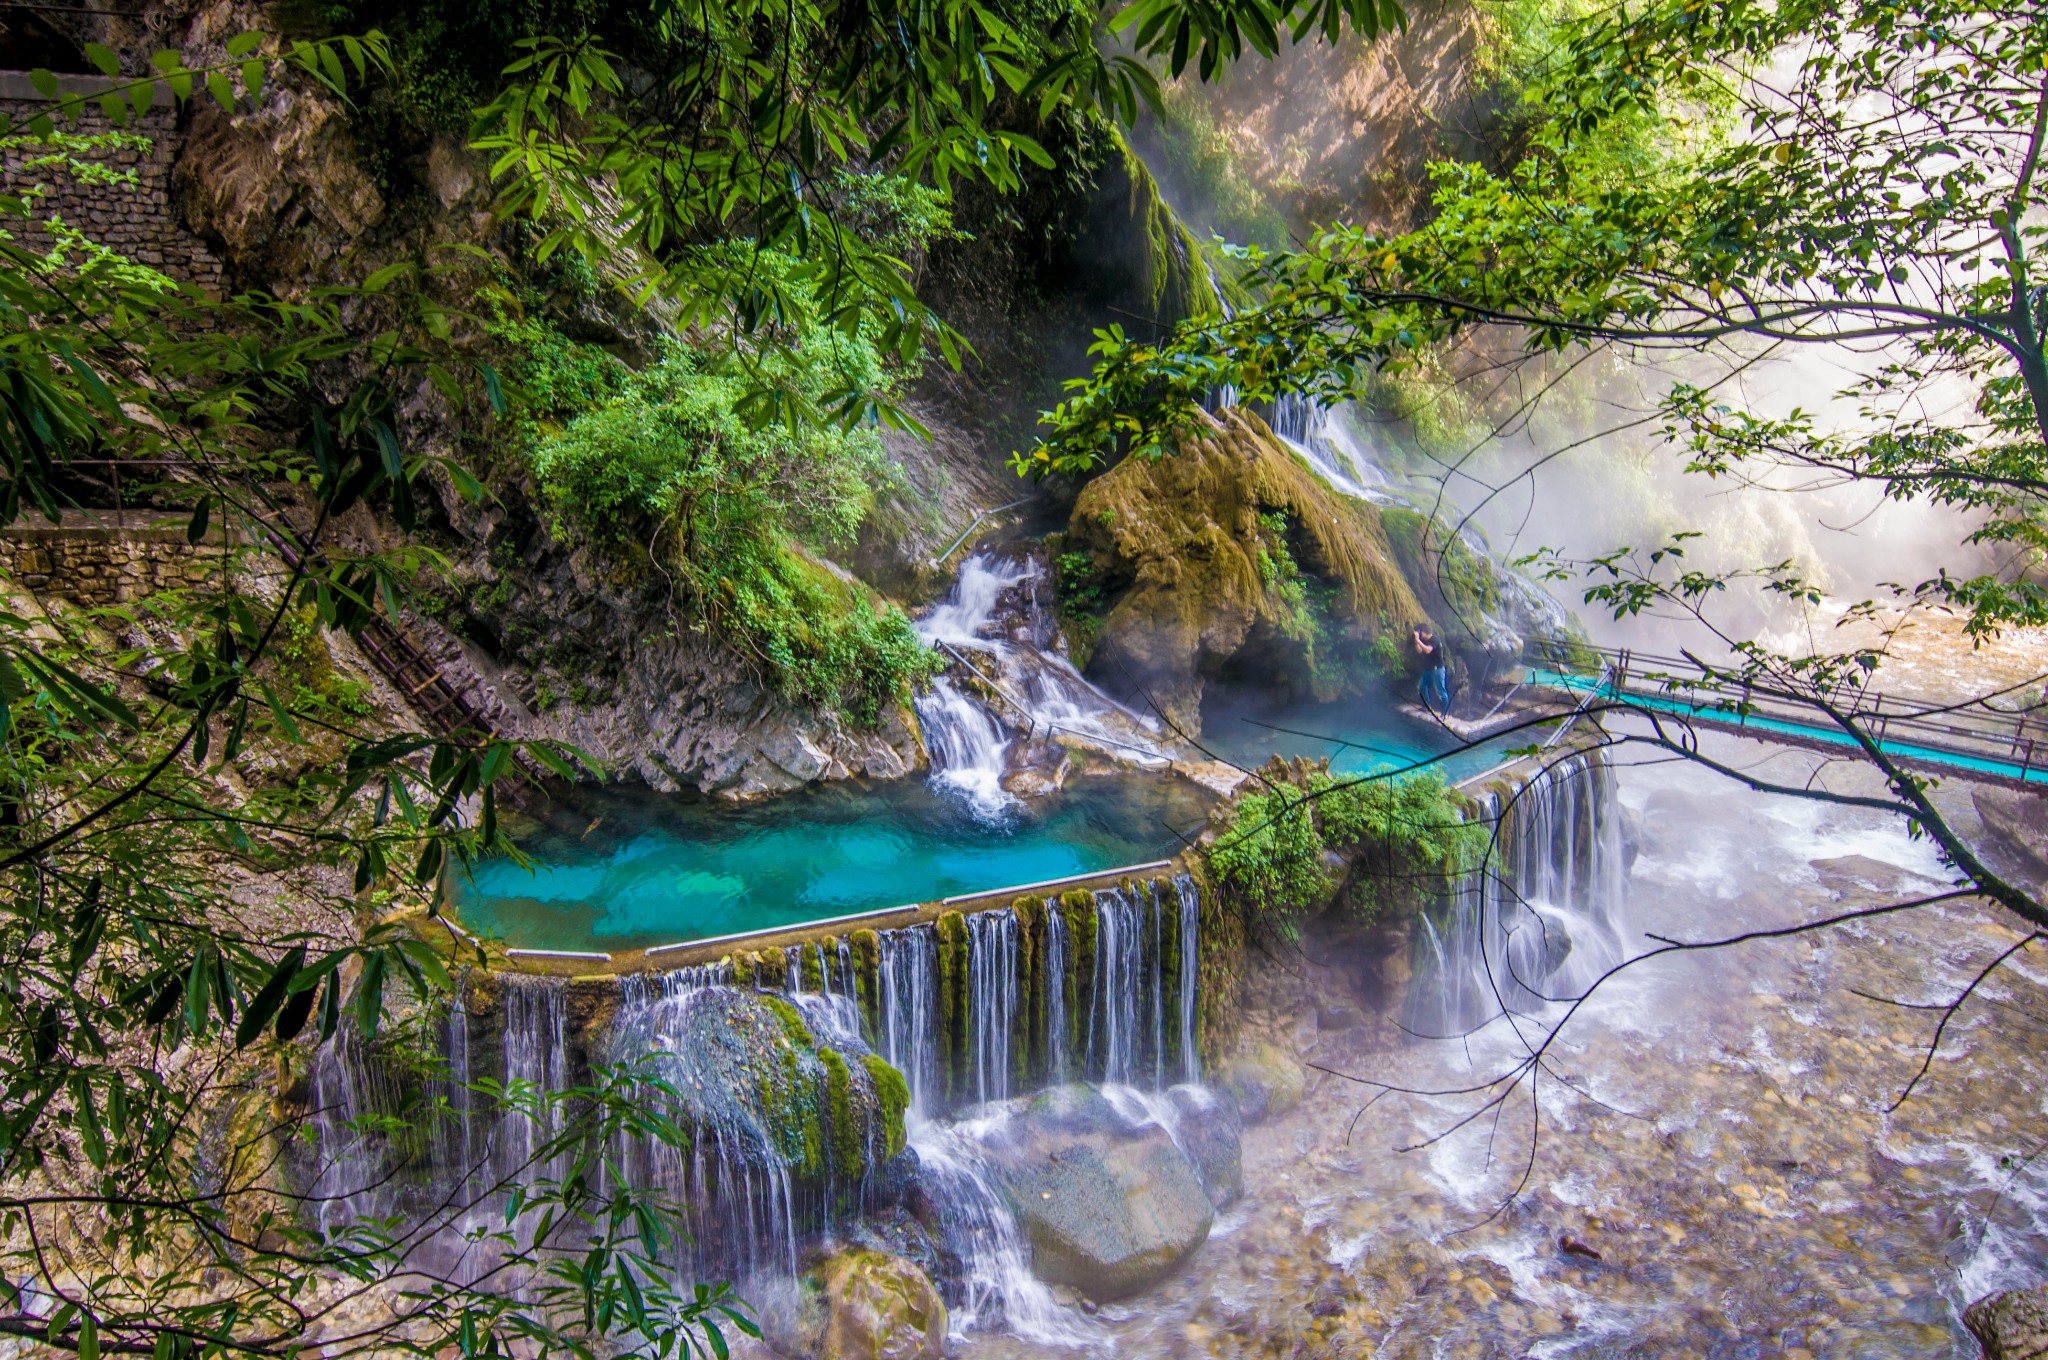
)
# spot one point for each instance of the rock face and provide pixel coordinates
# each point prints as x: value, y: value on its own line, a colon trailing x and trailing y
x: 1230, y: 556
x: 1209, y: 1133
x: 1109, y: 1207
x: 1265, y: 1081
x: 629, y: 682
x: 1485, y: 612
x: 861, y: 1303
x: 2012, y: 1325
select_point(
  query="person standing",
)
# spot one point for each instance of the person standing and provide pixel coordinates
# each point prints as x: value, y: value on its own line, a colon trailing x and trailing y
x: 1435, y: 688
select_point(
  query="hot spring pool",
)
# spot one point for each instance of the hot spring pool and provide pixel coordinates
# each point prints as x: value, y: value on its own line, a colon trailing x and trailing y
x: 625, y: 868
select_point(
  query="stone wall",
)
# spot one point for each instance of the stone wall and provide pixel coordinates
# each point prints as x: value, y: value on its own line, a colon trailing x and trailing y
x: 137, y: 219
x: 106, y: 557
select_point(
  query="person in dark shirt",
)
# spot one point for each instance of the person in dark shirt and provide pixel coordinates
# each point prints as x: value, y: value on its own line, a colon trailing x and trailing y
x: 1435, y: 689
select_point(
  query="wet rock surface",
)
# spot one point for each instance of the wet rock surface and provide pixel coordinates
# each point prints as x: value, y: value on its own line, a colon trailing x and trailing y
x: 1109, y: 1208
x: 2012, y: 1325
x: 2015, y: 832
x: 862, y: 1303
x: 1716, y: 1126
x: 1265, y: 1079
x: 1211, y: 1133
x: 1183, y: 559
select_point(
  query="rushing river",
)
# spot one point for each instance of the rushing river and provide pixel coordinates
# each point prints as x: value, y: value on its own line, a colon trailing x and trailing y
x: 1716, y: 1125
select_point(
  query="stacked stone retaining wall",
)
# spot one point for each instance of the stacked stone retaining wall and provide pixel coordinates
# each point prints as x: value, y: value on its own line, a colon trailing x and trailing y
x: 107, y: 557
x: 137, y: 219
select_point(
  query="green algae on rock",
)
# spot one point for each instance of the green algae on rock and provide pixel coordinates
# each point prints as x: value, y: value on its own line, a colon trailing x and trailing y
x: 861, y: 1303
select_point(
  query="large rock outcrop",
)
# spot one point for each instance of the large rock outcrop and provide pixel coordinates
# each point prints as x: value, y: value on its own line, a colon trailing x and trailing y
x: 1109, y: 1206
x: 1230, y: 558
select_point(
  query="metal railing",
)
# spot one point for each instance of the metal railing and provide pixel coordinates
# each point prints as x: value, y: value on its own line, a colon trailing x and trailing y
x: 2012, y: 743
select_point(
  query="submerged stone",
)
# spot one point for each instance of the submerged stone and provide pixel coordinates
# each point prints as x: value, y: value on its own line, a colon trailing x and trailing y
x: 1265, y: 1081
x: 2012, y: 1325
x: 1210, y: 1129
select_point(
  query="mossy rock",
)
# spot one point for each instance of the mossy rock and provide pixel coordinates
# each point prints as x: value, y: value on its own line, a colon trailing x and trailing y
x: 1265, y: 1080
x: 1185, y: 546
x: 749, y: 1065
x: 862, y: 1303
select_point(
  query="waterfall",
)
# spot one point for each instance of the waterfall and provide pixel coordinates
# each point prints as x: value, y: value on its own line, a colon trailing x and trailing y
x: 1313, y: 431
x: 741, y: 1209
x: 1190, y: 899
x: 972, y: 1010
x: 907, y: 984
x: 1113, y: 1019
x: 348, y: 1085
x: 992, y: 1000
x: 996, y: 1288
x: 536, y: 1045
x: 1539, y: 921
x: 1004, y: 642
x: 969, y: 749
x: 1056, y: 1057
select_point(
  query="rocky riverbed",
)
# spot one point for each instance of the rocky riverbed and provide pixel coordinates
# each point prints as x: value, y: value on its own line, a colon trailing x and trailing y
x: 1713, y: 1160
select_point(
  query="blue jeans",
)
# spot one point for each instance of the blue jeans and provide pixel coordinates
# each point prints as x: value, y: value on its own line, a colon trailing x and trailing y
x: 1435, y: 689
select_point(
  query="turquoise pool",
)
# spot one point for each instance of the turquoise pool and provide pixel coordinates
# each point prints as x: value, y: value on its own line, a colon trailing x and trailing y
x: 1358, y: 735
x: 624, y: 868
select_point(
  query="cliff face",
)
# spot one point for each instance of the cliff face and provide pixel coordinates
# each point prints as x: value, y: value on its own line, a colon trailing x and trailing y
x: 1345, y: 133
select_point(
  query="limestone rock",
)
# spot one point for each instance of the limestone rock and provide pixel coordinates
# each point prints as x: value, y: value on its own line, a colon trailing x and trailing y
x: 1265, y: 1081
x: 2015, y: 832
x: 1180, y: 549
x: 1108, y: 1208
x: 862, y: 1303
x: 2012, y: 1325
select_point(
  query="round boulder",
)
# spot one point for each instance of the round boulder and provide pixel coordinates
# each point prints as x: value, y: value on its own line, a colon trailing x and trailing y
x: 861, y: 1303
x: 1265, y: 1081
x: 1108, y: 1207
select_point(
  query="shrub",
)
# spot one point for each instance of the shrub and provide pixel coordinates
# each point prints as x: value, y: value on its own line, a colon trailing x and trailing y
x: 1406, y: 838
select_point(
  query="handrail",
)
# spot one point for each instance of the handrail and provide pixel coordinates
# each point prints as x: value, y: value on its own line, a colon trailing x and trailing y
x: 940, y: 560
x: 1057, y: 882
x: 1973, y: 736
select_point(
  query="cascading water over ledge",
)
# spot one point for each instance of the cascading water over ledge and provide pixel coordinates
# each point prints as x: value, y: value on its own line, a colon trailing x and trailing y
x: 1538, y: 921
x: 799, y: 1075
x: 995, y: 725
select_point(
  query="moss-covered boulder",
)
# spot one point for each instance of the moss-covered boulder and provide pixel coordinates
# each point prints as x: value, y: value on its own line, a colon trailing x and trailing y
x: 747, y: 1071
x: 862, y: 1303
x: 1230, y: 557
x: 1265, y: 1080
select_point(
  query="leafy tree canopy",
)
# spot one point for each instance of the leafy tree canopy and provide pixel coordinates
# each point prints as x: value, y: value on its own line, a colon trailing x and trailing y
x: 1873, y: 181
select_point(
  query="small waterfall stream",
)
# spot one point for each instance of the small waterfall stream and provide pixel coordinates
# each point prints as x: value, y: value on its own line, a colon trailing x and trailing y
x: 973, y: 1011
x: 1032, y: 693
x: 1313, y: 431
